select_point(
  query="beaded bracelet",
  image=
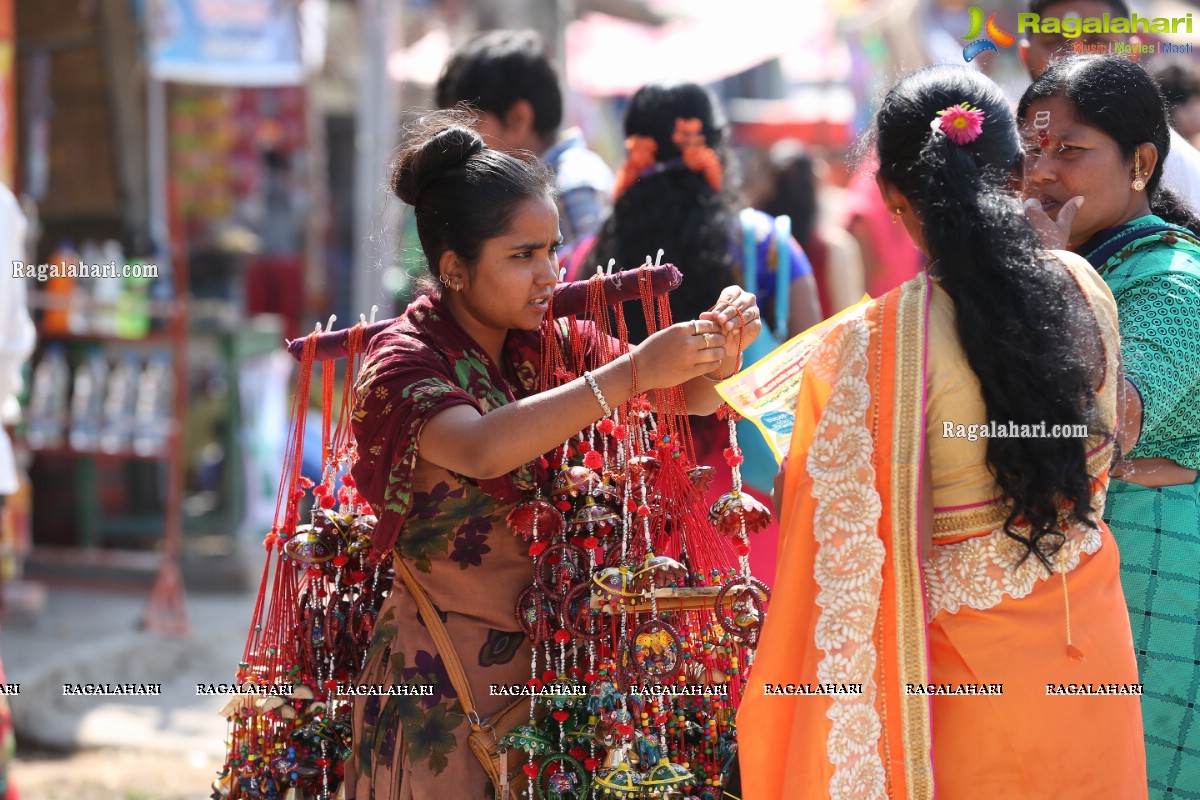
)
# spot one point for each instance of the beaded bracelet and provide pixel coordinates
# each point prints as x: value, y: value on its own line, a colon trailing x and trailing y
x: 599, y: 394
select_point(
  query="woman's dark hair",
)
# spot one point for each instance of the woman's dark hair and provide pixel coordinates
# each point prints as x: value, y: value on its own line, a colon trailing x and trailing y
x: 676, y: 209
x: 462, y: 192
x: 794, y: 189
x: 1117, y: 97
x: 1020, y: 320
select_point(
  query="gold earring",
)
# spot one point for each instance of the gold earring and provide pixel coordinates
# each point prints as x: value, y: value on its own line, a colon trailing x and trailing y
x: 1138, y: 184
x: 445, y: 279
x: 896, y: 216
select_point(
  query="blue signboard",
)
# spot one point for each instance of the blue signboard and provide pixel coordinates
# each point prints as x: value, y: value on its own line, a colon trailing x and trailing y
x: 225, y: 42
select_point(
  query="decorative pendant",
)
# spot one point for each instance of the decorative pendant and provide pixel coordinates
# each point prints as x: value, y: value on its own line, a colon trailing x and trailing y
x: 559, y: 569
x: 562, y: 777
x: 656, y: 651
x: 747, y: 598
x: 730, y: 508
x: 534, y: 613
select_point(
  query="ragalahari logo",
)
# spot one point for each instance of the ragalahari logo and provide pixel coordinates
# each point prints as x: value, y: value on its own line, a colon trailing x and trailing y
x: 995, y: 35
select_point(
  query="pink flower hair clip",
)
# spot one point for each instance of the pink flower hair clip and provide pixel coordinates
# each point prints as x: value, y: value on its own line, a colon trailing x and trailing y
x: 961, y: 123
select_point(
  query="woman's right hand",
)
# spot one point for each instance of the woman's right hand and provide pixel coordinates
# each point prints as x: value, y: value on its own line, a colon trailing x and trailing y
x: 677, y: 354
x: 1054, y: 233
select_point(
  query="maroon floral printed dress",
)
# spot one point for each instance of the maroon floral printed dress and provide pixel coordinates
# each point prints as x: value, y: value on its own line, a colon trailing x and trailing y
x: 453, y: 535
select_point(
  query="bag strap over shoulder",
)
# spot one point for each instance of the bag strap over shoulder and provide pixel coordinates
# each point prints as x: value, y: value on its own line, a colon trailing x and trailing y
x: 783, y: 274
x: 782, y: 239
x: 441, y: 640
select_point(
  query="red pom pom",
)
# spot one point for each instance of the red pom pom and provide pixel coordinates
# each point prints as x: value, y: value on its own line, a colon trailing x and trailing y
x: 632, y: 505
x: 340, y: 560
x: 583, y: 447
x: 605, y: 426
x: 535, y: 684
x: 643, y: 511
x: 328, y: 501
x: 741, y: 547
x: 530, y: 769
x: 536, y: 549
x: 561, y: 716
x: 591, y: 543
x: 562, y: 637
x: 735, y: 461
x: 348, y: 479
x: 563, y: 505
x: 625, y: 730
x: 544, y: 462
x: 549, y: 675
x: 305, y: 483
x: 620, y: 432
x: 366, y: 510
x: 577, y: 752
x: 330, y: 684
x: 575, y: 672
x: 321, y: 490
x: 593, y: 460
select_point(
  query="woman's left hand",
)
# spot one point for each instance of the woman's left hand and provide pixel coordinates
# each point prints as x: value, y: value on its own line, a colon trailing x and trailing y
x: 745, y: 326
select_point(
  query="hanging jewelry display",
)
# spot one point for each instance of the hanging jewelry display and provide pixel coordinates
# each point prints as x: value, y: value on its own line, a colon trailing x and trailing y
x: 657, y: 612
x: 641, y: 611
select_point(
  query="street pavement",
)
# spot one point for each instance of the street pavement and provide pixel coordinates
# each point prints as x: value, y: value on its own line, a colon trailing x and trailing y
x: 141, y: 747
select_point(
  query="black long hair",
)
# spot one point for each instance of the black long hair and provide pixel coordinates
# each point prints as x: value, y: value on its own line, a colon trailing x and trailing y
x: 1119, y: 98
x: 462, y: 192
x: 675, y: 210
x: 1019, y: 320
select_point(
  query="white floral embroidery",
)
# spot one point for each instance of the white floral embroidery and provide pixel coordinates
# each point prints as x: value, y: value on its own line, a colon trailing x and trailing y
x: 837, y: 355
x: 979, y: 572
x: 836, y: 460
x: 842, y: 570
x: 855, y: 729
x: 849, y: 616
x: 862, y: 779
x: 837, y: 668
x: 849, y: 562
x: 847, y: 507
x: 848, y: 399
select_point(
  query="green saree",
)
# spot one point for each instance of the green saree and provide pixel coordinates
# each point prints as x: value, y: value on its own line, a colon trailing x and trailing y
x: 1155, y: 279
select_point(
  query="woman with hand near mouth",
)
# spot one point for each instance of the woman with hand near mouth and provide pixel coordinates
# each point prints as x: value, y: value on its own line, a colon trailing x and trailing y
x: 1097, y: 135
x: 450, y: 427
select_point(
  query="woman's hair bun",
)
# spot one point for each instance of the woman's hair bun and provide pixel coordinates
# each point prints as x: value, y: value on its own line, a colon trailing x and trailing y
x: 437, y: 148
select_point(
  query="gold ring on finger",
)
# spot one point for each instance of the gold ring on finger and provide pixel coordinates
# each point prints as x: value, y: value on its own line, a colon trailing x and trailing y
x: 696, y: 326
x: 707, y: 340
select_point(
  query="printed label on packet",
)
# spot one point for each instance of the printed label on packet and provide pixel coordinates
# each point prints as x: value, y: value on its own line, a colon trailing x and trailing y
x: 765, y: 392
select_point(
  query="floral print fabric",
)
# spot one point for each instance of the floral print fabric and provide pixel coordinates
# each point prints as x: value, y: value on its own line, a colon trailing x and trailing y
x: 452, y: 531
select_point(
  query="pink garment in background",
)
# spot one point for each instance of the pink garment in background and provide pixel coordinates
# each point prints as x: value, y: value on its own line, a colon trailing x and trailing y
x: 896, y: 258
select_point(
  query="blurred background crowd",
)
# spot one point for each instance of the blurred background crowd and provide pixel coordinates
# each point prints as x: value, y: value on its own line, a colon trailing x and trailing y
x: 236, y: 151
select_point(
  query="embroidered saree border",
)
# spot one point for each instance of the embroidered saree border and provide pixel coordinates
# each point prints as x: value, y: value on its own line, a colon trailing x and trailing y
x: 908, y: 437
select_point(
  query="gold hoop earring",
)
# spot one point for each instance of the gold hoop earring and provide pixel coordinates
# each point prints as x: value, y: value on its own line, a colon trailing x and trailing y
x: 1138, y: 184
x: 445, y: 279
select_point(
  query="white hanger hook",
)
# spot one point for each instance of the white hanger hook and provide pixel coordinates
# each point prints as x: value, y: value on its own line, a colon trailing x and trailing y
x: 374, y: 309
x: 332, y: 319
x: 658, y: 261
x: 612, y: 263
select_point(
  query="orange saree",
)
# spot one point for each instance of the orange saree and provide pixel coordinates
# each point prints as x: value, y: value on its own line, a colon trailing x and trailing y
x: 879, y: 676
